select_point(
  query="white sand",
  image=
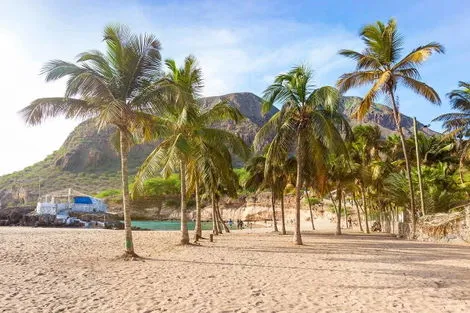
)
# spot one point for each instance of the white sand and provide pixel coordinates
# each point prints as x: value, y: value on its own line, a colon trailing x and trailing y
x: 75, y: 270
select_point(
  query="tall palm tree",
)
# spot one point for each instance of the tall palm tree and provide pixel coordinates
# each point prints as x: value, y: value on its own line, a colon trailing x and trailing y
x: 261, y: 175
x: 259, y: 180
x: 364, y: 150
x: 186, y: 132
x: 116, y: 87
x: 218, y: 178
x: 308, y: 114
x: 340, y: 173
x: 379, y: 64
x: 458, y: 124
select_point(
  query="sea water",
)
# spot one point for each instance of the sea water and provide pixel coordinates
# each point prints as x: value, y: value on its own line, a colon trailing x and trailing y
x: 168, y: 225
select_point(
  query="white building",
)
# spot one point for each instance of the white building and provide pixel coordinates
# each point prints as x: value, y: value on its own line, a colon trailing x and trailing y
x: 68, y: 200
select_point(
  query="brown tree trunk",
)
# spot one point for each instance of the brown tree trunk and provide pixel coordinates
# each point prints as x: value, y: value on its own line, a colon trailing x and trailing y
x: 198, y: 225
x: 273, y: 205
x: 364, y: 205
x: 388, y: 220
x: 215, y: 228
x: 221, y: 221
x: 217, y: 216
x: 283, y: 218
x: 298, y: 186
x: 461, y: 167
x: 409, y: 216
x: 124, y: 149
x: 338, y: 211
x: 345, y: 210
x: 358, y: 212
x: 184, y: 224
x: 310, y: 208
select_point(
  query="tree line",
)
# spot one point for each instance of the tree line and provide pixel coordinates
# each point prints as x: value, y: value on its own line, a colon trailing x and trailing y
x: 307, y: 144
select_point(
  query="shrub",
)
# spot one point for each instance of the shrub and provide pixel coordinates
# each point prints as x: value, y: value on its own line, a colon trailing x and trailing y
x: 108, y: 193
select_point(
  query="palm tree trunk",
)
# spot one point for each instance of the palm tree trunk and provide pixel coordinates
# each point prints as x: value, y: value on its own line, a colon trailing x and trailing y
x: 310, y: 208
x: 358, y: 212
x: 418, y: 167
x: 215, y: 229
x: 388, y: 220
x: 345, y: 210
x: 198, y: 226
x: 338, y: 211
x: 364, y: 205
x: 221, y: 221
x: 298, y: 186
x: 273, y: 205
x: 217, y: 216
x: 409, y: 215
x: 184, y: 224
x: 283, y: 218
x: 124, y: 149
x: 461, y: 167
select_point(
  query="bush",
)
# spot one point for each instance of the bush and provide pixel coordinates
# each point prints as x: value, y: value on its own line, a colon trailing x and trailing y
x: 313, y: 201
x: 159, y: 186
x: 108, y: 193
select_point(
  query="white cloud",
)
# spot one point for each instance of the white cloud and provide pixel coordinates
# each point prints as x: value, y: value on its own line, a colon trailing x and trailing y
x: 20, y: 84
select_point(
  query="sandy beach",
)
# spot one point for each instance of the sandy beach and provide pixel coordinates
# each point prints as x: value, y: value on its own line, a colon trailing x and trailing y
x: 76, y: 270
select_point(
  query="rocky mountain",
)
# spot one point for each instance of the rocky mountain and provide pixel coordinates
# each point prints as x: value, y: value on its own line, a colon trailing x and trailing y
x: 88, y: 162
x: 381, y: 116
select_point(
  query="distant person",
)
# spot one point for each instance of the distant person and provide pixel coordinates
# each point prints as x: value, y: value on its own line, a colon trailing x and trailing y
x: 241, y: 224
x: 230, y: 223
x: 350, y: 222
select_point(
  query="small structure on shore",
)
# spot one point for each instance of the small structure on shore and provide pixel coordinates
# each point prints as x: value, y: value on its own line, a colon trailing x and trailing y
x: 65, y: 201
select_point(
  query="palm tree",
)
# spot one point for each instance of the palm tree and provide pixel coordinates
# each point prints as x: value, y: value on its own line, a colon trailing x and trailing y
x: 364, y: 150
x: 116, y: 87
x: 260, y: 179
x: 186, y: 133
x: 218, y: 178
x: 458, y: 124
x: 263, y: 173
x: 380, y: 65
x: 340, y: 173
x: 310, y: 116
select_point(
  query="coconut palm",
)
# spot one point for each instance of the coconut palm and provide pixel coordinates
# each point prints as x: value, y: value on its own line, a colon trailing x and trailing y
x: 458, y: 123
x: 364, y: 150
x: 264, y: 173
x: 260, y: 179
x: 186, y: 133
x: 380, y: 64
x: 310, y: 116
x: 340, y: 173
x: 218, y: 179
x: 116, y: 87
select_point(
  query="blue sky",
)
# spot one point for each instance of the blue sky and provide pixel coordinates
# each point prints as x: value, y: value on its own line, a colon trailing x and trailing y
x: 241, y: 46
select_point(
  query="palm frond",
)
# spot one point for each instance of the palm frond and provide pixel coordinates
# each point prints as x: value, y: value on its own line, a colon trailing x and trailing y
x: 419, y: 55
x: 371, y: 95
x: 356, y: 79
x: 221, y: 111
x: 421, y: 89
x: 43, y: 108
